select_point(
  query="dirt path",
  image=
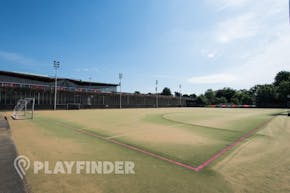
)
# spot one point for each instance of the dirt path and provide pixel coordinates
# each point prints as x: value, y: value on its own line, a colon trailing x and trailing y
x: 10, y: 182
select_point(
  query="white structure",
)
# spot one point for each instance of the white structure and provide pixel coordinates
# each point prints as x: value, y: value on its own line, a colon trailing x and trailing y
x: 24, y: 109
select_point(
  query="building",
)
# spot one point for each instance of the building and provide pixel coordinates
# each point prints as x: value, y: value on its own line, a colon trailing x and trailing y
x: 24, y: 80
x: 15, y: 86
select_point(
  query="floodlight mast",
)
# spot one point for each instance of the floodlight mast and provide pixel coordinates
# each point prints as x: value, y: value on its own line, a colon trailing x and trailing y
x: 56, y: 66
x: 180, y: 95
x: 120, y: 84
x: 156, y: 90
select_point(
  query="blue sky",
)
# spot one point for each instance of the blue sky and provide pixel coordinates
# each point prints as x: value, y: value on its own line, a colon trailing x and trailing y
x: 198, y: 44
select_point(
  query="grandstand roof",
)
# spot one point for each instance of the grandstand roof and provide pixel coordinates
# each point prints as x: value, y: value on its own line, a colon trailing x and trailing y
x: 48, y: 79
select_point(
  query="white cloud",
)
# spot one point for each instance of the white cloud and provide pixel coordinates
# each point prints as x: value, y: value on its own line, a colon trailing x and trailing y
x: 16, y: 58
x: 224, y: 4
x: 247, y: 63
x: 212, y: 79
x: 240, y: 27
x: 211, y: 55
x: 87, y: 69
x: 234, y: 3
x: 261, y: 68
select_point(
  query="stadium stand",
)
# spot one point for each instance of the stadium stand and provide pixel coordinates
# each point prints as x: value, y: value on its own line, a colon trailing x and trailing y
x: 15, y: 86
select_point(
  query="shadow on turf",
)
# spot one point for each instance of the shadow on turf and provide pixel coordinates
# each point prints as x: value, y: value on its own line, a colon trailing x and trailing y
x: 280, y: 114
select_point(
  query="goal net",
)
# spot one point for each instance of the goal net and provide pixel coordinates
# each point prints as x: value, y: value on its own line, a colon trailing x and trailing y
x: 24, y: 109
x: 73, y: 106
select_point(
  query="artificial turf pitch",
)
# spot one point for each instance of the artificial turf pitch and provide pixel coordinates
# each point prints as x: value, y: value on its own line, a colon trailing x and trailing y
x: 191, y: 138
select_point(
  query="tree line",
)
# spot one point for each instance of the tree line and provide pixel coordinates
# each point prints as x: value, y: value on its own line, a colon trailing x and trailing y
x: 265, y: 95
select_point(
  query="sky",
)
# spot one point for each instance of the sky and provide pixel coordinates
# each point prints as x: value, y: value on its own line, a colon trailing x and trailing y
x: 198, y: 44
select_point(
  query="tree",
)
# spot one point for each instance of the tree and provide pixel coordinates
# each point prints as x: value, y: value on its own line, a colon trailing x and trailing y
x: 228, y: 93
x: 266, y: 95
x: 201, y: 100
x: 221, y: 100
x: 137, y: 92
x: 282, y: 76
x: 177, y: 94
x: 166, y: 92
x: 193, y: 96
x: 210, y: 95
x: 235, y: 100
x: 247, y: 99
x: 283, y: 91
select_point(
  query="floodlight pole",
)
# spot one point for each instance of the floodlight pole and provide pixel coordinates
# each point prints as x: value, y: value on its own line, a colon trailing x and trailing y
x: 120, y: 84
x: 156, y: 90
x: 56, y: 66
x: 180, y: 95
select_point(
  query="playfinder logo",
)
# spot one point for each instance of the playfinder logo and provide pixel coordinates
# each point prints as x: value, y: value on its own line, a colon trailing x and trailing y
x: 22, y: 164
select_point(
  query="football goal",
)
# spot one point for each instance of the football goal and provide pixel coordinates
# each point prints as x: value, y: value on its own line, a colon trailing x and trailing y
x: 24, y: 109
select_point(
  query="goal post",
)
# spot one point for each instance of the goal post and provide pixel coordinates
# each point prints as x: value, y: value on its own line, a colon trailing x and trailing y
x: 24, y: 109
